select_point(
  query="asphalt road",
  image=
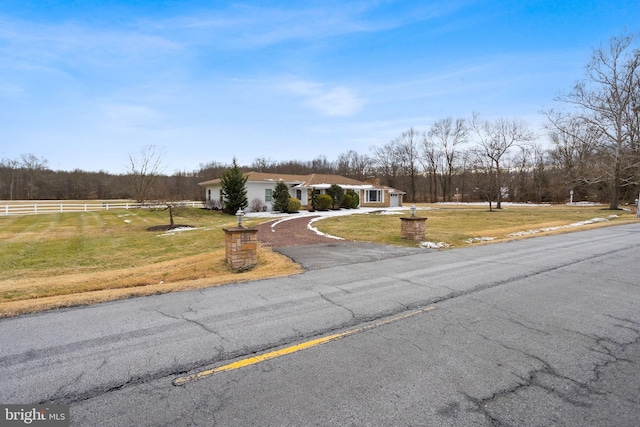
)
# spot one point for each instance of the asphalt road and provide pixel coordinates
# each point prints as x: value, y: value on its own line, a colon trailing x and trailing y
x: 537, y: 332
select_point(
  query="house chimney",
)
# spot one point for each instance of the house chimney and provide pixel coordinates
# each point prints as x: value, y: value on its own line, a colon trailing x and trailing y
x: 373, y: 180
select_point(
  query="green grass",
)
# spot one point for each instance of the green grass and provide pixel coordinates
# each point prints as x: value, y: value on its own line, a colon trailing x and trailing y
x: 65, y: 259
x: 99, y: 241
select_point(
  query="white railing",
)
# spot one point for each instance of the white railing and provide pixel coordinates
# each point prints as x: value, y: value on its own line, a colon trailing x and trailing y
x: 31, y: 207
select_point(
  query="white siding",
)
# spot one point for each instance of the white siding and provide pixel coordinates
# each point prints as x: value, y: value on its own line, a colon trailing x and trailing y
x: 213, y: 195
x: 256, y: 190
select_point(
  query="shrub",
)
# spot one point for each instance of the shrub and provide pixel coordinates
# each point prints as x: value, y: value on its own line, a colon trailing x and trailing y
x: 355, y: 199
x: 347, y: 201
x: 293, y: 206
x: 214, y: 204
x: 257, y: 205
x: 324, y: 202
x: 337, y: 194
x: 351, y: 200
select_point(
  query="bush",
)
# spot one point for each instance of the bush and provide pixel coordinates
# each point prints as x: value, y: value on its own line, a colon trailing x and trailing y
x: 347, y: 201
x: 293, y: 206
x: 214, y: 205
x: 257, y: 205
x: 355, y: 199
x: 337, y: 194
x: 324, y: 202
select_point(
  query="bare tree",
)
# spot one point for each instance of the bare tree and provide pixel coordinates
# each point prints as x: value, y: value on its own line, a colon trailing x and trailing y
x: 211, y: 170
x: 605, y: 99
x: 354, y: 165
x: 575, y: 151
x: 448, y: 135
x: 9, y: 171
x: 494, y: 139
x: 321, y: 165
x: 541, y: 184
x: 409, y: 155
x: 33, y: 166
x: 486, y: 182
x: 522, y: 165
x: 387, y: 161
x: 262, y: 164
x: 465, y: 168
x: 144, y: 172
x: 431, y: 158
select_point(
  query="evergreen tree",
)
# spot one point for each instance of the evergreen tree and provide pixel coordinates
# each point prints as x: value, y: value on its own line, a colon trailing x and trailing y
x: 281, y: 197
x: 337, y: 194
x: 314, y: 199
x: 355, y: 199
x: 233, y: 189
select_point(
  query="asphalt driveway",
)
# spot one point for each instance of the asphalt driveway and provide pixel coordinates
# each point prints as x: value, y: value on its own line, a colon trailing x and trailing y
x: 333, y: 254
x: 295, y: 238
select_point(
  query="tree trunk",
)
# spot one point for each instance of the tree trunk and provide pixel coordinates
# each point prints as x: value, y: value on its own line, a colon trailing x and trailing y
x: 615, y: 191
x: 499, y: 185
x: 171, y: 223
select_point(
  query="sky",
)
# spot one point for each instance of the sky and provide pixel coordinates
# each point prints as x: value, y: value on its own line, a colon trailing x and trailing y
x: 85, y: 84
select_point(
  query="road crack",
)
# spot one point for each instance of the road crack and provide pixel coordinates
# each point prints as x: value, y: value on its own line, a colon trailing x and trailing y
x: 329, y: 300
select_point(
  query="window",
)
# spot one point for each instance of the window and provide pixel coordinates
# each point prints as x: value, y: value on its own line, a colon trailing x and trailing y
x: 373, y: 196
x: 267, y: 194
x: 299, y: 194
x: 221, y: 195
x: 209, y: 194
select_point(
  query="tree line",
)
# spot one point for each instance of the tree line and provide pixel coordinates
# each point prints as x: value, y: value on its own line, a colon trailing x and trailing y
x: 592, y: 152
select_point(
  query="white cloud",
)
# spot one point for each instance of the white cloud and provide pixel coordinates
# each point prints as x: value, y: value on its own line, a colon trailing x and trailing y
x: 329, y: 101
x: 254, y: 26
x: 339, y: 101
x: 78, y: 45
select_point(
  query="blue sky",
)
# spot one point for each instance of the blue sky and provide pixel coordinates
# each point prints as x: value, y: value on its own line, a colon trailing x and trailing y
x: 84, y: 84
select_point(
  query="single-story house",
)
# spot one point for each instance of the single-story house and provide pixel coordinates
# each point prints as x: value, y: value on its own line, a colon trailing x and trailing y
x: 260, y: 188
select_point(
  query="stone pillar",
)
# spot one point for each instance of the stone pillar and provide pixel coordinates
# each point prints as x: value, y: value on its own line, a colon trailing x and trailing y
x: 413, y: 228
x: 241, y: 247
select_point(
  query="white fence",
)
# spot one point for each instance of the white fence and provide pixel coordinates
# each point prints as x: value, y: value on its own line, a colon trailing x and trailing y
x: 32, y: 207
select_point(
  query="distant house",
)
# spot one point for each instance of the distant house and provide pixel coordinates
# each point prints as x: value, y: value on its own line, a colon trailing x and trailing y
x: 260, y: 187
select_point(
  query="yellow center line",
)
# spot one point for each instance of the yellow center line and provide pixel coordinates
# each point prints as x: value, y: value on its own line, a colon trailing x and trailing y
x: 294, y: 348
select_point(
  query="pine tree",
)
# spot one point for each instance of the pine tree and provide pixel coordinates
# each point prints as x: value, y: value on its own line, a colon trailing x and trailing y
x: 233, y: 189
x: 314, y: 199
x: 337, y: 194
x: 281, y: 197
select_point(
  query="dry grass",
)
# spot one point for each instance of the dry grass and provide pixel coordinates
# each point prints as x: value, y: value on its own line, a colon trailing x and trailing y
x: 62, y: 260
x: 456, y: 224
x: 200, y: 271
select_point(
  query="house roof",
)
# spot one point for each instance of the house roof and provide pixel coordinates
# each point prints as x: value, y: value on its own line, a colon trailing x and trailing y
x: 313, y: 180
